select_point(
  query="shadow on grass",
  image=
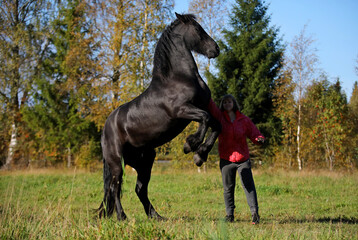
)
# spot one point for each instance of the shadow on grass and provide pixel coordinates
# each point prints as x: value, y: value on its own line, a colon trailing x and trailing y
x: 207, y: 219
x: 333, y: 220
x: 340, y: 219
x: 286, y: 220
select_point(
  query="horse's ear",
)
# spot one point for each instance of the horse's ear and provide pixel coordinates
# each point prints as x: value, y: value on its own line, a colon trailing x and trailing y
x: 181, y: 18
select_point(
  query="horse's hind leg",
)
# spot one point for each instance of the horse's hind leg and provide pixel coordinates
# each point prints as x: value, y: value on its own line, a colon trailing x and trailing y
x: 117, y: 186
x: 144, y: 169
x: 112, y: 177
x: 107, y: 206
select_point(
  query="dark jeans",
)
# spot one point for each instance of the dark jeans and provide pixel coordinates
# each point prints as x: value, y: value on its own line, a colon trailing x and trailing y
x: 228, y: 172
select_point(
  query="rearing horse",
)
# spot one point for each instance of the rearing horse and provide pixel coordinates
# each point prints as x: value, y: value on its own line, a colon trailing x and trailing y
x: 176, y: 96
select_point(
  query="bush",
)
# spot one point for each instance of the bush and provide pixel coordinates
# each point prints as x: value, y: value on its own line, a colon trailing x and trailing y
x: 89, y: 155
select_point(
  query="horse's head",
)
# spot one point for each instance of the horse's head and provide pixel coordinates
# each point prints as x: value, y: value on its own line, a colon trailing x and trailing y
x: 195, y: 37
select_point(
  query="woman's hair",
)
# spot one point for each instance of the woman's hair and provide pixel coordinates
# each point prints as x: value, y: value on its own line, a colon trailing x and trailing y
x: 227, y: 96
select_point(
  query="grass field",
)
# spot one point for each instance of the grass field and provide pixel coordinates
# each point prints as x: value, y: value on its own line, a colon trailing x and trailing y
x: 58, y: 204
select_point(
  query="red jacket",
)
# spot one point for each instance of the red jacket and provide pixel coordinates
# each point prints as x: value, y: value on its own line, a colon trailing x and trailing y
x: 232, y: 139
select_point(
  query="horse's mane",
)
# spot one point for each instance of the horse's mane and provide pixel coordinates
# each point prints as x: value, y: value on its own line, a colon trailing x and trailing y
x: 164, y: 45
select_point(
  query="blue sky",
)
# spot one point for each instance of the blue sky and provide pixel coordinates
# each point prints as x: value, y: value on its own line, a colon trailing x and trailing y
x: 332, y: 23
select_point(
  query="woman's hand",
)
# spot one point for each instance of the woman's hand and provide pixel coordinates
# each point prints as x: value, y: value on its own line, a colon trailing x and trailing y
x: 260, y: 140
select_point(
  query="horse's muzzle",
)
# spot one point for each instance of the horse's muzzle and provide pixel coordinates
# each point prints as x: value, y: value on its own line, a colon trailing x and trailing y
x: 214, y: 52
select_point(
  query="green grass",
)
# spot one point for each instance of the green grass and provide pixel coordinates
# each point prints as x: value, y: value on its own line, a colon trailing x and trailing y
x: 58, y: 204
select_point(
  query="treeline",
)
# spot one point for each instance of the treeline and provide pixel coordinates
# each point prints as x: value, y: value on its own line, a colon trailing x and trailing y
x: 65, y: 65
x: 306, y: 118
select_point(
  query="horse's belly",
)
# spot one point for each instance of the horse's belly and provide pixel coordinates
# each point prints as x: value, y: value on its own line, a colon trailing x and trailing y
x: 171, y: 133
x: 154, y: 134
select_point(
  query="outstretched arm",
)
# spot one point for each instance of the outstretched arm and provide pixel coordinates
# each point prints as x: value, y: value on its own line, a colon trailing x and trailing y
x: 214, y: 110
x: 254, y: 134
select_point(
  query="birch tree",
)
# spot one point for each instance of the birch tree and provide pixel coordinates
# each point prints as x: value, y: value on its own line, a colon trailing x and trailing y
x: 127, y: 32
x: 23, y: 44
x: 302, y: 62
x: 151, y: 17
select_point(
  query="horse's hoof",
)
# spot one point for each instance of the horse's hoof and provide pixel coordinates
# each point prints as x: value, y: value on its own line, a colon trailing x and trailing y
x: 160, y: 218
x: 187, y: 148
x: 157, y: 217
x: 122, y: 217
x: 197, y: 160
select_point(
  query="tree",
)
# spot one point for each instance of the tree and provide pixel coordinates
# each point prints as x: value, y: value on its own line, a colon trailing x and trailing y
x: 353, y: 101
x: 79, y: 60
x: 356, y: 67
x: 285, y: 110
x: 65, y: 80
x: 326, y: 114
x: 353, y: 112
x: 301, y: 61
x: 150, y: 22
x: 3, y: 134
x: 127, y: 31
x: 59, y: 131
x: 249, y: 64
x: 23, y: 46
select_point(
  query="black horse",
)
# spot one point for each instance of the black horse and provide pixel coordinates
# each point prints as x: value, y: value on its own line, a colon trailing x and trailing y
x: 176, y: 96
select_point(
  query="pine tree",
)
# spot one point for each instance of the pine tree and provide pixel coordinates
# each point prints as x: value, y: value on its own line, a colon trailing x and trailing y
x: 249, y: 63
x: 55, y: 115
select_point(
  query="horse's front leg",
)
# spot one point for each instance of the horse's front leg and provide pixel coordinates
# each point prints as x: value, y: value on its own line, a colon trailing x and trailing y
x: 201, y: 154
x: 193, y: 141
x: 193, y: 113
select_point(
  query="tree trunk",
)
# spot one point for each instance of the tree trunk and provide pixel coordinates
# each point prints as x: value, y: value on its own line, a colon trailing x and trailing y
x: 330, y: 153
x: 69, y: 159
x: 145, y: 29
x: 12, y: 146
x: 299, y: 162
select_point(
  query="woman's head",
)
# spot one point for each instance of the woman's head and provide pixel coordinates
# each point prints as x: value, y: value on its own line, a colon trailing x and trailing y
x: 226, y: 101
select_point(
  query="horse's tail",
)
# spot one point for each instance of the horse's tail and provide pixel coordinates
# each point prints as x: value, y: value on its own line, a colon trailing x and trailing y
x: 107, y: 206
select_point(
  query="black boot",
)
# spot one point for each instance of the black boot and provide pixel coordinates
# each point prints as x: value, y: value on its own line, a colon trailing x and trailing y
x: 229, y: 218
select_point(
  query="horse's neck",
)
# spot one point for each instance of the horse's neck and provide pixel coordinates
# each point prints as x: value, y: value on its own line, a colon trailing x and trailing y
x: 183, y: 61
x: 173, y: 58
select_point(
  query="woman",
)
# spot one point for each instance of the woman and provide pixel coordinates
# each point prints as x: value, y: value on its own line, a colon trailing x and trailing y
x: 234, y: 153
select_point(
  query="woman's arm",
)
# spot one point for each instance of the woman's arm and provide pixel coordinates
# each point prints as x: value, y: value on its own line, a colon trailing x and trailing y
x: 253, y: 133
x: 214, y: 110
